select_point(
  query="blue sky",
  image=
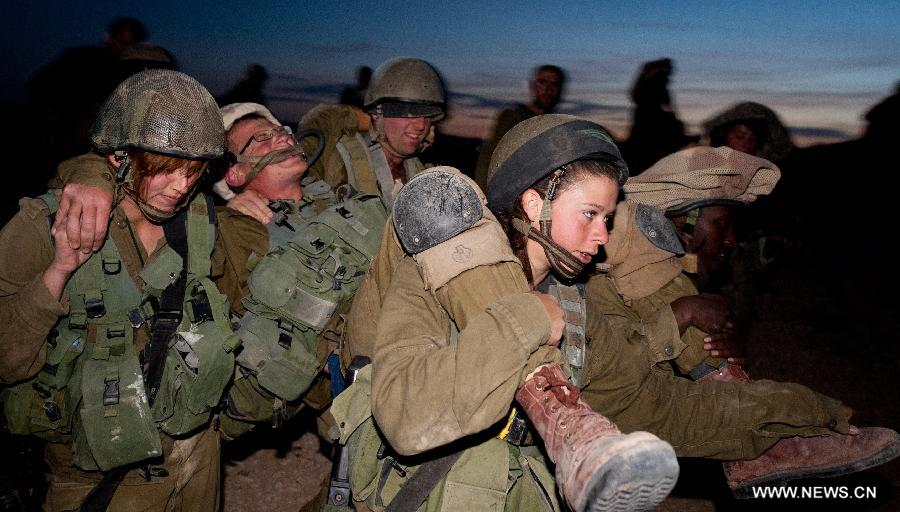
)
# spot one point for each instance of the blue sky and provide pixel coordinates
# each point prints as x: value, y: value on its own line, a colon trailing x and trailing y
x: 819, y: 64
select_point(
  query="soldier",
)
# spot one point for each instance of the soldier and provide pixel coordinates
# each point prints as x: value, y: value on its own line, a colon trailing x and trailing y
x: 771, y: 432
x: 121, y: 357
x: 650, y: 278
x: 312, y: 238
x: 546, y: 86
x: 452, y: 352
x: 375, y: 150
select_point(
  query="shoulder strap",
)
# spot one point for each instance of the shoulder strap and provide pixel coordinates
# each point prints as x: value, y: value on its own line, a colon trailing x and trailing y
x: 420, y: 484
x: 356, y: 161
x: 571, y: 300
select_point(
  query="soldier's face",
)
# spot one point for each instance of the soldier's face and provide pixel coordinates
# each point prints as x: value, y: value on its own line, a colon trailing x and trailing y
x: 713, y: 238
x: 741, y: 138
x: 546, y: 87
x: 404, y: 135
x: 243, y: 133
x: 580, y: 213
x: 167, y: 191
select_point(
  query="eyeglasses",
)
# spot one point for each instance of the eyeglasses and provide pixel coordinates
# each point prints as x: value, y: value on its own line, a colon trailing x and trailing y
x: 266, y: 135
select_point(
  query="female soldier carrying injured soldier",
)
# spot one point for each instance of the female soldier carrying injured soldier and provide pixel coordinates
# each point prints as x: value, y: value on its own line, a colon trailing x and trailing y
x: 453, y: 351
x: 431, y: 388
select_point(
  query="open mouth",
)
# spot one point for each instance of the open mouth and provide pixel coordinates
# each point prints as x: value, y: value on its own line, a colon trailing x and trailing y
x: 583, y: 257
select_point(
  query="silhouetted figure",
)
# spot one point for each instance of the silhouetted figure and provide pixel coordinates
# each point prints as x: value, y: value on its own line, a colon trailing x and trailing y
x: 883, y: 120
x: 67, y: 93
x: 655, y: 130
x: 545, y: 86
x: 249, y: 89
x: 354, y: 95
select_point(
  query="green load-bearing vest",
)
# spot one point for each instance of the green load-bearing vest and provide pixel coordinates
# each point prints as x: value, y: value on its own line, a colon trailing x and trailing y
x: 294, y: 291
x: 91, y: 391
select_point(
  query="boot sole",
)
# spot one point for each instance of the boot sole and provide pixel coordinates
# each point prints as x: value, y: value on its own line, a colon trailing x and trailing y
x: 639, y: 477
x: 888, y: 453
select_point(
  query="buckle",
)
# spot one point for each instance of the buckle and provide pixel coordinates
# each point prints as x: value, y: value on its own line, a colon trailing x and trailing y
x: 111, y: 267
x: 170, y: 317
x: 94, y: 308
x: 111, y: 391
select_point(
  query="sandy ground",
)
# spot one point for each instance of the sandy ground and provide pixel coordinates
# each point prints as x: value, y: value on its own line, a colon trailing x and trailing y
x: 833, y: 334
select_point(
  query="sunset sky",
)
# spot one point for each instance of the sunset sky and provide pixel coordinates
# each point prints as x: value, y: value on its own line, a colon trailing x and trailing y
x: 820, y: 65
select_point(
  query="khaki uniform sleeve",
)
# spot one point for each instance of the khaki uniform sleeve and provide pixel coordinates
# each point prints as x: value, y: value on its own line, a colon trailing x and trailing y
x: 240, y: 240
x: 722, y: 420
x: 427, y: 391
x: 334, y: 121
x: 27, y: 309
x: 652, y: 319
x: 88, y: 169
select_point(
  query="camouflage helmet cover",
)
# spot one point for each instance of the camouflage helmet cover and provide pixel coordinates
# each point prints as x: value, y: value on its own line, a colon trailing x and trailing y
x: 406, y: 87
x: 163, y: 111
x: 538, y: 146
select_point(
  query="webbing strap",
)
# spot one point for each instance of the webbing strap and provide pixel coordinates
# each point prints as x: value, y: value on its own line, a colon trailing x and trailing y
x: 101, y: 495
x: 166, y: 320
x: 420, y: 484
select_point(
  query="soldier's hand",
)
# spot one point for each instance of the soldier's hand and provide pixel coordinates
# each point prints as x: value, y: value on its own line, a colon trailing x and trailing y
x: 65, y: 261
x: 727, y: 345
x: 557, y: 318
x: 708, y: 312
x: 251, y: 203
x: 84, y: 214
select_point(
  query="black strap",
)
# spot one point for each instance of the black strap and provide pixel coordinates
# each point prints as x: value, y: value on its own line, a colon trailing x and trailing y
x: 419, y: 486
x: 166, y: 320
x: 101, y: 495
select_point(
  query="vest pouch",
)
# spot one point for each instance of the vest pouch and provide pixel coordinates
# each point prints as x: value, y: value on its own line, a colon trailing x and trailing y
x: 322, y: 266
x: 61, y: 356
x: 282, y: 356
x: 38, y: 412
x: 40, y: 406
x: 196, y: 372
x: 478, y: 481
x: 293, y: 284
x: 115, y: 417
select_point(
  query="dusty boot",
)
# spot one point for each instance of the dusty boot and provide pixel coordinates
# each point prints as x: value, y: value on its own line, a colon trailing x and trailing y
x: 597, y: 466
x: 812, y: 457
x: 727, y: 373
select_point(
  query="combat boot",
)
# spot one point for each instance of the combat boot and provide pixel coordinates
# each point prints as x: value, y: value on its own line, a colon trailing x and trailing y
x: 813, y: 457
x: 598, y: 468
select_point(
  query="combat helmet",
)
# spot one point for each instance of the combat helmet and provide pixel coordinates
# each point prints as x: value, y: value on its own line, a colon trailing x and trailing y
x: 531, y: 151
x: 161, y: 111
x: 406, y: 87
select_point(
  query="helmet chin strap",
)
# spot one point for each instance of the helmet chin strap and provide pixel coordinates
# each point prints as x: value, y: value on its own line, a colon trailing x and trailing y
x: 272, y: 157
x: 561, y: 261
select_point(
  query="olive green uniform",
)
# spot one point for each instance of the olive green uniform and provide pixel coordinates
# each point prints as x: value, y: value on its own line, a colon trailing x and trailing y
x: 622, y: 380
x: 190, y: 474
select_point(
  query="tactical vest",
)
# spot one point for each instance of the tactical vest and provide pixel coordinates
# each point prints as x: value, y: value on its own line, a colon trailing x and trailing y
x: 294, y: 291
x: 367, y: 167
x: 91, y: 391
x: 289, y: 216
